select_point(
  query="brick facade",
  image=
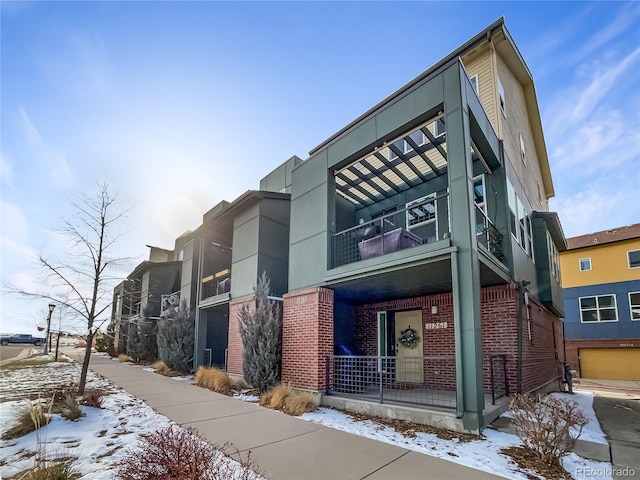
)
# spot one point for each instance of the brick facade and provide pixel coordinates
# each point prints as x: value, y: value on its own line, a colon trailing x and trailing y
x: 573, y: 347
x: 234, y: 355
x: 307, y: 337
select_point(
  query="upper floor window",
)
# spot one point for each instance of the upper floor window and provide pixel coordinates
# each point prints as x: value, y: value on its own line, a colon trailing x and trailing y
x: 421, y: 211
x: 523, y: 153
x: 585, y: 264
x: 634, y: 305
x: 554, y: 261
x: 478, y: 192
x: 439, y: 127
x: 634, y: 258
x: 601, y: 308
x: 503, y: 106
x: 475, y: 84
x: 520, y: 221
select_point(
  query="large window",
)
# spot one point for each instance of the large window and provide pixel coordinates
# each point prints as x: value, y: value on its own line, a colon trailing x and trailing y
x: 601, y: 308
x: 634, y: 258
x: 520, y: 221
x: 634, y: 305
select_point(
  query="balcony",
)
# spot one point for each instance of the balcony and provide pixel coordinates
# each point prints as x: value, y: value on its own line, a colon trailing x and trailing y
x: 216, y: 284
x: 415, y: 225
x: 488, y: 235
x: 169, y: 303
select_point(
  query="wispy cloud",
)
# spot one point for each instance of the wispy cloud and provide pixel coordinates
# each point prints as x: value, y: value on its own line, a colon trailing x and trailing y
x: 51, y: 157
x: 6, y: 172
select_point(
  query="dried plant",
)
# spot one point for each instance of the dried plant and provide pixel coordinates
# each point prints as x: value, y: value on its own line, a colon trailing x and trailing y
x: 174, y: 452
x: 284, y: 398
x: 93, y: 398
x: 545, y: 423
x: 213, y: 379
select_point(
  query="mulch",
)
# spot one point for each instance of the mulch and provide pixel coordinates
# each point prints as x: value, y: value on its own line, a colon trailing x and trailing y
x: 527, y: 459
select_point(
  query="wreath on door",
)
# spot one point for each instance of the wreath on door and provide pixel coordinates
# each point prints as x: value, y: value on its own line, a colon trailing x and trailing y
x: 409, y: 338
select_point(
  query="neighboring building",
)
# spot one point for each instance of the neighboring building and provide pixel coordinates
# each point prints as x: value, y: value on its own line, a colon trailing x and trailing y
x: 219, y: 264
x: 420, y: 238
x: 142, y: 293
x: 601, y: 284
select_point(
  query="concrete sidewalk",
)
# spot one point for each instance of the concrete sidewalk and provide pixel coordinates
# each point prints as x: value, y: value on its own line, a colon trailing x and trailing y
x: 284, y: 447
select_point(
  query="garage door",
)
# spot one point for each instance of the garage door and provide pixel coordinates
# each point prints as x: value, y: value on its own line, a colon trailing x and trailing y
x: 610, y: 363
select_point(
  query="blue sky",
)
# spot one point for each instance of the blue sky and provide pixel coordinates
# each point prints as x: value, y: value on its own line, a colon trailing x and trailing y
x: 183, y: 104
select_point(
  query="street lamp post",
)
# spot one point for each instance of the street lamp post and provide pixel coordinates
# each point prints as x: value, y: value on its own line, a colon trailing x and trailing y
x: 46, y: 338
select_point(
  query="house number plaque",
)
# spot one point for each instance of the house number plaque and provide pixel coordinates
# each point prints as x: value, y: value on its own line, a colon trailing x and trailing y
x: 435, y: 325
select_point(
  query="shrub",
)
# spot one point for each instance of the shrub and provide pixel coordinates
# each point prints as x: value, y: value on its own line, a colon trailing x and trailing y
x: 124, y: 358
x: 142, y: 342
x: 105, y: 341
x: 283, y: 398
x: 161, y: 368
x: 213, y: 379
x: 70, y: 409
x: 544, y: 424
x: 31, y: 417
x: 181, y: 453
x: 261, y: 331
x: 175, y: 339
x: 53, y: 470
x: 93, y: 398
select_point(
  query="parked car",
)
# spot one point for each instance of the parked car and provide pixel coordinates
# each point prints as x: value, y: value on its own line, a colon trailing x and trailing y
x: 21, y: 338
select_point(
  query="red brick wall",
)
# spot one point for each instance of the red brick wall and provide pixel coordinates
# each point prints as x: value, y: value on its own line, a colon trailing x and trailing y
x: 307, y: 337
x: 234, y: 359
x: 499, y: 310
x: 542, y: 361
x: 574, y: 346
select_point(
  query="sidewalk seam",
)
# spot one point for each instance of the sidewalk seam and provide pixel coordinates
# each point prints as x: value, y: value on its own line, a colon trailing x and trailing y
x: 321, y: 427
x: 386, y: 464
x: 213, y: 418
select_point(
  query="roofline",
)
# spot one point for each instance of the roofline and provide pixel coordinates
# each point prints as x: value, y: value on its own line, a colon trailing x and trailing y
x: 554, y: 227
x: 596, y: 245
x: 146, y: 264
x: 480, y: 37
x: 244, y: 198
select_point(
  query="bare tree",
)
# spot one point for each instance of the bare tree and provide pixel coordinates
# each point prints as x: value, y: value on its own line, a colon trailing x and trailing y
x: 79, y: 278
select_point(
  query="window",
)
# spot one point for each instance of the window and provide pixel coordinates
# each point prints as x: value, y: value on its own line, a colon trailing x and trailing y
x: 601, y: 308
x: 503, y: 107
x: 439, y: 128
x: 585, y: 264
x: 478, y: 192
x: 521, y: 227
x: 634, y: 305
x: 554, y: 262
x: 523, y: 153
x: 474, y: 83
x: 634, y: 258
x: 421, y: 211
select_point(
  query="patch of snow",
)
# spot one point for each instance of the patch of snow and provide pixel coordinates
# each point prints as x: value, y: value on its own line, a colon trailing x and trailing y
x: 246, y: 398
x: 98, y: 440
x: 592, y: 432
x: 183, y: 378
x: 482, y: 454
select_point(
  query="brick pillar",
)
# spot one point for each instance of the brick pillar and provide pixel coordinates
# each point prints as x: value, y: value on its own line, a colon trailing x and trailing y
x: 234, y: 355
x: 307, y: 337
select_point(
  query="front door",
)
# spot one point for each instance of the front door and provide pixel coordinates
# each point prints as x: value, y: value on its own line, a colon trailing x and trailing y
x: 409, y: 352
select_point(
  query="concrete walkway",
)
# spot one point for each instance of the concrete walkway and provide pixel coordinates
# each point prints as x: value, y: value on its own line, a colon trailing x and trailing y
x: 284, y: 447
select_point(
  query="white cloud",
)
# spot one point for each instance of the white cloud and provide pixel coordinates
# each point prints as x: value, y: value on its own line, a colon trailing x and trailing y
x: 49, y: 156
x: 6, y: 172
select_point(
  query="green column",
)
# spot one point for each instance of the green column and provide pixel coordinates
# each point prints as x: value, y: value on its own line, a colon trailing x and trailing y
x: 466, y: 274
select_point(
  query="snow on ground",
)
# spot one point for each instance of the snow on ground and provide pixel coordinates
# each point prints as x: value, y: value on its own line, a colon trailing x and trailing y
x: 482, y: 454
x: 98, y: 439
x: 592, y: 432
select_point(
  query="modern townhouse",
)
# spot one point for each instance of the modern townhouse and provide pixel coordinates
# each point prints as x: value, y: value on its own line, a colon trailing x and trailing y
x: 414, y: 250
x: 601, y: 283
x: 421, y: 242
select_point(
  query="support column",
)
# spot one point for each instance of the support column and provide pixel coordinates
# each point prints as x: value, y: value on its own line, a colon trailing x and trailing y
x: 307, y: 337
x: 465, y: 264
x: 234, y: 344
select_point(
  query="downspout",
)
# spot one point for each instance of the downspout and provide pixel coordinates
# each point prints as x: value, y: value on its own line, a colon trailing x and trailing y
x: 457, y: 335
x: 521, y: 290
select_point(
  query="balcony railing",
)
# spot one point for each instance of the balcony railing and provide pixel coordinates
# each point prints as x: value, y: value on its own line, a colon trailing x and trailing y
x: 169, y: 302
x: 428, y: 381
x: 216, y: 284
x: 488, y: 235
x: 419, y: 223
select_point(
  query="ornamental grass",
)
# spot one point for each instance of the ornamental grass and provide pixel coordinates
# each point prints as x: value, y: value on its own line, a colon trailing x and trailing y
x: 213, y: 379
